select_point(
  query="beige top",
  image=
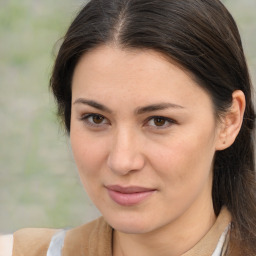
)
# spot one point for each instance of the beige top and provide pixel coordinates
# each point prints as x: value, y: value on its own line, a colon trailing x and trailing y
x: 95, y: 239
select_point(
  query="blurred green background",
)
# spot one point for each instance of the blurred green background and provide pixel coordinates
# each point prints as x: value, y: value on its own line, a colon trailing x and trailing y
x: 39, y: 184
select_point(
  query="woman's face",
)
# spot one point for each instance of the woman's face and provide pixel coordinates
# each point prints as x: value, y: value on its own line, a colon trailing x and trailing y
x: 143, y: 135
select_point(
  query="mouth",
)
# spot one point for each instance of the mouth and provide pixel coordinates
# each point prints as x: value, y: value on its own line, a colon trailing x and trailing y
x: 129, y: 196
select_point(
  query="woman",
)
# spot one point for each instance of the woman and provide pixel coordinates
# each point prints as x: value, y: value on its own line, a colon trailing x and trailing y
x: 156, y: 98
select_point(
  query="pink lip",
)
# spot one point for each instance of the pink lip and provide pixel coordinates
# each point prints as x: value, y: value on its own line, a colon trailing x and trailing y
x: 128, y: 196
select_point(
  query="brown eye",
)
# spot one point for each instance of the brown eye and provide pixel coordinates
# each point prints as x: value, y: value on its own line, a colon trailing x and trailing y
x: 158, y: 121
x: 97, y: 119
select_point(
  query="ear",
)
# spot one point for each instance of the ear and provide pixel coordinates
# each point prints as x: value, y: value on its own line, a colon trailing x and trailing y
x: 231, y: 122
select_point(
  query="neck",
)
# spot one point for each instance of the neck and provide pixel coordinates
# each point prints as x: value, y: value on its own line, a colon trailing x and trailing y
x: 173, y: 239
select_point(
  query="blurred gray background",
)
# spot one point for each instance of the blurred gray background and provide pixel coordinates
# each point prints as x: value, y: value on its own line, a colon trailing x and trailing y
x: 39, y: 184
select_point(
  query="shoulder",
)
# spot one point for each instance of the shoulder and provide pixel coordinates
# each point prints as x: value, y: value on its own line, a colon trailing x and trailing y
x: 29, y: 242
x: 86, y: 239
x: 43, y: 241
x: 32, y: 241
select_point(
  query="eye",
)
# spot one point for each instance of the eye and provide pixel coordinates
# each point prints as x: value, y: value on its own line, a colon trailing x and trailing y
x: 95, y: 120
x: 160, y: 122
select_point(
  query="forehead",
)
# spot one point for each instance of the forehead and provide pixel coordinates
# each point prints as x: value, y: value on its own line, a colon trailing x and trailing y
x: 142, y: 75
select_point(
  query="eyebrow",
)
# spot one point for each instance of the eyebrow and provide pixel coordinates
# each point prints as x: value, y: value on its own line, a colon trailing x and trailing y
x: 93, y: 104
x: 155, y: 107
x: 138, y: 111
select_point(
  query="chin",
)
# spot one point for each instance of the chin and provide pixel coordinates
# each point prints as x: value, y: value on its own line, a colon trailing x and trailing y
x: 130, y: 224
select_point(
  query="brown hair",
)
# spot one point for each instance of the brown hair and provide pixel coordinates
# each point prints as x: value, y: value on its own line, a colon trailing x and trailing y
x: 203, y: 38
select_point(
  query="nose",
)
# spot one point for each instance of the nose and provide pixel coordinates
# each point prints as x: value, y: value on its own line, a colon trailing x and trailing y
x: 125, y: 154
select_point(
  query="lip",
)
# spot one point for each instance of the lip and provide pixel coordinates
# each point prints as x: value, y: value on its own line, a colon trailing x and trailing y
x: 128, y: 196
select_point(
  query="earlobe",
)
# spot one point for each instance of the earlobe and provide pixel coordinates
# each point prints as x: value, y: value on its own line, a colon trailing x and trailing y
x: 232, y: 121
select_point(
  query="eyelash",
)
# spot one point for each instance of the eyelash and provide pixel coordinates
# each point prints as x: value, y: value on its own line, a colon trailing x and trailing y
x: 167, y: 122
x: 86, y: 119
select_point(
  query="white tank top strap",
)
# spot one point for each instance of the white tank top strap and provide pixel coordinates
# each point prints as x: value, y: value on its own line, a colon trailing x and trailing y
x: 56, y: 244
x: 220, y: 246
x: 6, y: 245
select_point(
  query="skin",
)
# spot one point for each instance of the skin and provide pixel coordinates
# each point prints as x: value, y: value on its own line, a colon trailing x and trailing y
x: 123, y: 143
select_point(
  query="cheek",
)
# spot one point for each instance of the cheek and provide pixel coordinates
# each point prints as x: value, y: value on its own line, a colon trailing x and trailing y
x: 88, y: 154
x: 185, y: 171
x: 185, y: 160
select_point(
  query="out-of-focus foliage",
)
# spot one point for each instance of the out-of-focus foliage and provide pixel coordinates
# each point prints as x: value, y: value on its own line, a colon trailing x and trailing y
x: 244, y: 14
x: 39, y: 185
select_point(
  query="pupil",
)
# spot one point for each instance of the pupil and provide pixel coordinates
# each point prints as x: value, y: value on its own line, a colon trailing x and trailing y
x: 159, y: 121
x: 97, y: 119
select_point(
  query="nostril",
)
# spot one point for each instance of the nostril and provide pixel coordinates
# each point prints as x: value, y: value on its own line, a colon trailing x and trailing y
x: 125, y: 162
